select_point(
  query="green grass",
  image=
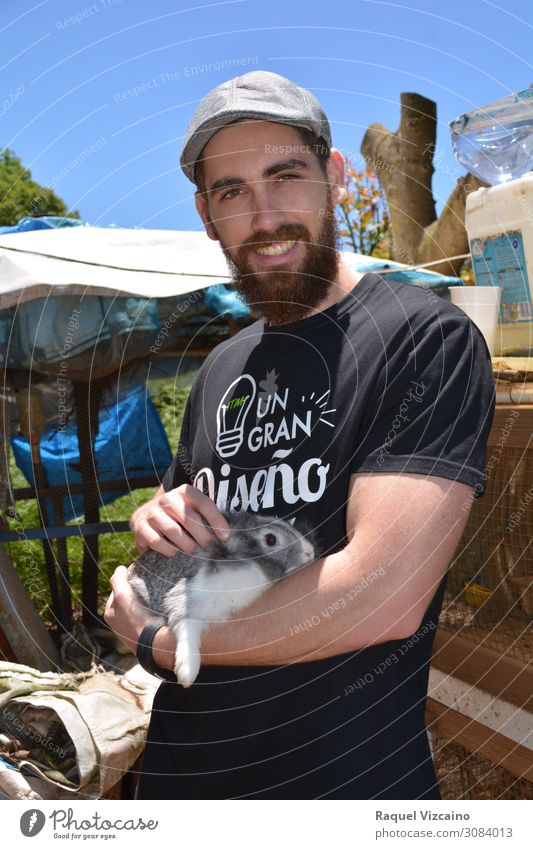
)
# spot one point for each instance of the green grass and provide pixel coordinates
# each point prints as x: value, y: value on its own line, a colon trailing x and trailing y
x: 114, y: 549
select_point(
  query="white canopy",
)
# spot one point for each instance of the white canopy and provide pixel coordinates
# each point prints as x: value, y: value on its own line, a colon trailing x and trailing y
x: 104, y: 261
x: 141, y: 263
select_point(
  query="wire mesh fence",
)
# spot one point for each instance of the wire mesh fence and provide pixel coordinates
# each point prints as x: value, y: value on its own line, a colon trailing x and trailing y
x: 489, y: 604
x: 489, y: 596
x: 465, y: 775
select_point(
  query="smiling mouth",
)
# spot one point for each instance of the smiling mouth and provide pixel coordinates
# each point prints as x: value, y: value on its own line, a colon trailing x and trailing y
x: 276, y: 248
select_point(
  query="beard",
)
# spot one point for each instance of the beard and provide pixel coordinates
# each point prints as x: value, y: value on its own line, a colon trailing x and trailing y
x: 281, y: 295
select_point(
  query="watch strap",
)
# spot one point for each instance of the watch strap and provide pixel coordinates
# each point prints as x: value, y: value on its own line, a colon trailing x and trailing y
x: 145, y: 655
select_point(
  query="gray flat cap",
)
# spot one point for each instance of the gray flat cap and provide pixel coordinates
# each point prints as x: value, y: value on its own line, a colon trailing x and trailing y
x: 258, y: 94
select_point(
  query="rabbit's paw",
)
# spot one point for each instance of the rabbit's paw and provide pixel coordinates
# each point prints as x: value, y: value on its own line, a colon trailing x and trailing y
x: 186, y: 670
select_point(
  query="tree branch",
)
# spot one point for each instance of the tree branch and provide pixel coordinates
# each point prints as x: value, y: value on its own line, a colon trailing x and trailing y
x: 403, y: 163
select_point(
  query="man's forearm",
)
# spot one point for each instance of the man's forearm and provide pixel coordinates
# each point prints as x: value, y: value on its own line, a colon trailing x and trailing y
x: 333, y: 606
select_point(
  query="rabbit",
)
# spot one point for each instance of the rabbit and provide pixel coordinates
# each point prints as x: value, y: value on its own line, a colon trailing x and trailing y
x: 189, y: 592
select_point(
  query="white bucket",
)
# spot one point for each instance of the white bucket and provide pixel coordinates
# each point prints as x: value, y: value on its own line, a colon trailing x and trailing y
x: 482, y: 305
x: 499, y: 223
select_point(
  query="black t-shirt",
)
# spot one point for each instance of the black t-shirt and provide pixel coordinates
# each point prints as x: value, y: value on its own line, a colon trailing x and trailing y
x: 391, y: 378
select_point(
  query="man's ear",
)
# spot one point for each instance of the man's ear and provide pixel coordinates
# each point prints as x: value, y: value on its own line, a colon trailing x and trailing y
x: 203, y: 211
x: 336, y: 176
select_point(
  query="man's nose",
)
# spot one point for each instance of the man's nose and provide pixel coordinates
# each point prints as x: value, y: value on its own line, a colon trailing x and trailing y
x: 265, y: 213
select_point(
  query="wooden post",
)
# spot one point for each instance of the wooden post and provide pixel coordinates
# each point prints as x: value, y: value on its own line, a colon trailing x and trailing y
x: 31, y: 424
x: 88, y: 395
x: 28, y: 639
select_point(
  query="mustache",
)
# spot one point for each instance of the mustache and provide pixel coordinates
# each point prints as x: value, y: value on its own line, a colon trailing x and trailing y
x: 284, y: 233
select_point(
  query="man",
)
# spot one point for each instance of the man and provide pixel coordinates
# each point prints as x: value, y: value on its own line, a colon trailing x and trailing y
x: 355, y: 406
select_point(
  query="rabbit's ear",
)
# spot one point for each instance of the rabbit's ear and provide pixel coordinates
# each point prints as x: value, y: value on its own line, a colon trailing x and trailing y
x: 228, y: 514
x: 304, y: 527
x: 218, y: 550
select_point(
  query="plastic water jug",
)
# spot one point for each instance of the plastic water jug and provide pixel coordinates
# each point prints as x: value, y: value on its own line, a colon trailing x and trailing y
x: 495, y: 142
x: 499, y: 223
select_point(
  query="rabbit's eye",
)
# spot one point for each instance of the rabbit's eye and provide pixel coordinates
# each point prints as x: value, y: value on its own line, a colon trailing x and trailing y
x: 271, y: 539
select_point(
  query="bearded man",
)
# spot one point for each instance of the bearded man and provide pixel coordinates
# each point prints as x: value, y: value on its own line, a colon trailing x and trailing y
x: 356, y: 406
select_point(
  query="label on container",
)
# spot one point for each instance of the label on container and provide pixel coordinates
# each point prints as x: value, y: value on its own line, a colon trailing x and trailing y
x: 500, y: 261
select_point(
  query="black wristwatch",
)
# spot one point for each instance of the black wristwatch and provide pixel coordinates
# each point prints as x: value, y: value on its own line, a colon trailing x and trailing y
x: 145, y: 656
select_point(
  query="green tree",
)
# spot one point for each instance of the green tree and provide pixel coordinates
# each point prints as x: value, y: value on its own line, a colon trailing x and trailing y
x: 21, y: 196
x: 363, y: 216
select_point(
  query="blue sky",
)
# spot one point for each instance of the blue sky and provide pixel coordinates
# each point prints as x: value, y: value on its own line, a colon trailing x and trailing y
x: 97, y: 95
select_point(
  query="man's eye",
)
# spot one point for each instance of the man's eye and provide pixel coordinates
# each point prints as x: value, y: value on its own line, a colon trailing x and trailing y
x: 230, y: 194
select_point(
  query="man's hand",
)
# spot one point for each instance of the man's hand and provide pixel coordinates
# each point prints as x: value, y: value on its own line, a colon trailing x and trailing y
x: 124, y: 615
x: 175, y: 520
x: 169, y: 521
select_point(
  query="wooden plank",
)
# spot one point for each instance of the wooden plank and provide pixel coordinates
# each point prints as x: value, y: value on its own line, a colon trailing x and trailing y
x: 480, y: 740
x: 473, y: 702
x: 481, y: 666
x: 140, y: 482
x: 62, y: 531
x: 517, y: 435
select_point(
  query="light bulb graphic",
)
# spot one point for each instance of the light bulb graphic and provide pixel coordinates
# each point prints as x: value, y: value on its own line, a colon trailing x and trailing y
x: 231, y: 415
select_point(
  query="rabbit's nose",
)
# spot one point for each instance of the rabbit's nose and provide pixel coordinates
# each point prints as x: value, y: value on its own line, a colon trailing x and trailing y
x: 309, y: 551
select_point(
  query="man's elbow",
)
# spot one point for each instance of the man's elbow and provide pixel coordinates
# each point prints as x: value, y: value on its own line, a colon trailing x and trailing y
x: 408, y: 625
x: 408, y: 613
x: 399, y: 628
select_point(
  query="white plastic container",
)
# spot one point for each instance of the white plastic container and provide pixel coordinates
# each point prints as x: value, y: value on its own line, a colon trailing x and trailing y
x: 482, y: 304
x: 499, y: 223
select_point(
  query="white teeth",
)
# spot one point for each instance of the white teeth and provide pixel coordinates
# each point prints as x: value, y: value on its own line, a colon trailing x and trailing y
x: 276, y: 249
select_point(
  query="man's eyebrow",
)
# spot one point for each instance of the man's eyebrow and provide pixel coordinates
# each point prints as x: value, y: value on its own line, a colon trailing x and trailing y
x: 224, y: 182
x: 282, y: 166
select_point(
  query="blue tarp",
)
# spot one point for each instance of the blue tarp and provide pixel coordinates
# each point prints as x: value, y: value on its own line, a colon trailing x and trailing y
x: 397, y: 271
x: 131, y: 442
x: 46, y: 222
x: 221, y: 300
